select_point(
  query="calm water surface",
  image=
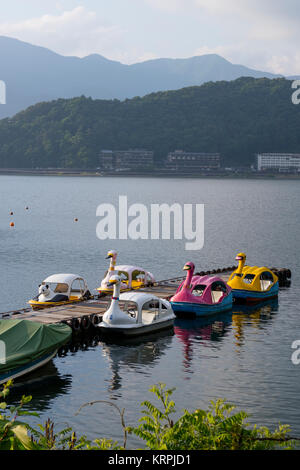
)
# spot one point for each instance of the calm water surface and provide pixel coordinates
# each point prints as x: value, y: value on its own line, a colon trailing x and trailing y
x: 244, y: 356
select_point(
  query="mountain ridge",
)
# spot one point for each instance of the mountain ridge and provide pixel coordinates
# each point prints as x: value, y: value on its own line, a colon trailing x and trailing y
x: 33, y: 74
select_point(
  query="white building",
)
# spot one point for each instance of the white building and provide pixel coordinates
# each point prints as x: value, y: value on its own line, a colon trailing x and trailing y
x: 278, y: 161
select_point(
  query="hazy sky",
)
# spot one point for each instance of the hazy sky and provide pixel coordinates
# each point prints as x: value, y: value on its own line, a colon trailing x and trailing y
x: 262, y: 34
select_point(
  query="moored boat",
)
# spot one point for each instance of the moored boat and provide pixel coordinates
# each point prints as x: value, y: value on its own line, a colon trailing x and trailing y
x: 201, y: 295
x: 26, y: 346
x: 141, y: 313
x: 132, y: 277
x: 252, y: 284
x: 60, y: 289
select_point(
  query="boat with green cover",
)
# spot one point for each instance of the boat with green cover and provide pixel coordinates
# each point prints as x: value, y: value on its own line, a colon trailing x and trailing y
x: 26, y: 346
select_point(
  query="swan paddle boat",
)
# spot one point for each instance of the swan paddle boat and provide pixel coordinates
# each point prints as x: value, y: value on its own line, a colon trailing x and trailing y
x: 132, y: 277
x: 253, y: 284
x: 201, y: 295
x: 141, y: 313
x: 60, y: 289
x: 26, y: 346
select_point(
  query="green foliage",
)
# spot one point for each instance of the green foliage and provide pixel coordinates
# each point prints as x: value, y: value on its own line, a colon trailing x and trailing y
x: 17, y: 435
x: 218, y: 428
x: 13, y: 433
x: 237, y: 119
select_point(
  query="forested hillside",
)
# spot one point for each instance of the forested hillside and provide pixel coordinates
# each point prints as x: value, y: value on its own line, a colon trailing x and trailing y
x: 237, y: 119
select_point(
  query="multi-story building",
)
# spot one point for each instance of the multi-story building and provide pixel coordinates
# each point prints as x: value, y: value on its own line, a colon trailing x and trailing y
x: 107, y: 161
x: 134, y: 159
x: 282, y: 162
x: 193, y: 161
x: 131, y: 159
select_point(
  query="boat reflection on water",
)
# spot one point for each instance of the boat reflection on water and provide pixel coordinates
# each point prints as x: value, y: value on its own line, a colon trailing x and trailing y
x: 262, y: 310
x: 44, y: 385
x: 198, y: 336
x: 201, y: 330
x: 47, y: 383
x: 255, y: 316
x: 133, y: 354
x: 211, y: 331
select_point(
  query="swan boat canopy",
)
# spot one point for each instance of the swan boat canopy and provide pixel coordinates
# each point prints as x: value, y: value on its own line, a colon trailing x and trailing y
x: 135, y: 313
x: 253, y: 284
x: 132, y: 277
x: 60, y: 289
x: 201, y: 295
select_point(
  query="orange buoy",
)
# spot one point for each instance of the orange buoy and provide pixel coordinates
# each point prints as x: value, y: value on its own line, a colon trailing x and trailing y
x: 12, y: 224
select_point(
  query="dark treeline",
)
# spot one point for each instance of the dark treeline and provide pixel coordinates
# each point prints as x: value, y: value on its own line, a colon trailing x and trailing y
x: 237, y: 119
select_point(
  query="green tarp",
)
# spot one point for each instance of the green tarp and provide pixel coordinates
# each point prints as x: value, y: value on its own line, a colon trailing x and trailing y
x: 23, y: 341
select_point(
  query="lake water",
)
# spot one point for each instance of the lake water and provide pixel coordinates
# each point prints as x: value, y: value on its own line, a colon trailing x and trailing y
x: 244, y: 356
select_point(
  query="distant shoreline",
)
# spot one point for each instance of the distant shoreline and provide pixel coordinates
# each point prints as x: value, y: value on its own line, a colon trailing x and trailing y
x: 153, y: 174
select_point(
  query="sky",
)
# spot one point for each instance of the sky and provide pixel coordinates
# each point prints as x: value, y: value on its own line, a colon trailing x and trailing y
x: 261, y: 34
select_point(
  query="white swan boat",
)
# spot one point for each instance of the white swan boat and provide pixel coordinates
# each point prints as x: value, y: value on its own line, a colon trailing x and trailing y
x: 132, y: 277
x: 141, y: 312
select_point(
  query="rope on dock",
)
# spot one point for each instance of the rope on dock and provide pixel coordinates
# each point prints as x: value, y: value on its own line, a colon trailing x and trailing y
x: 284, y: 276
x: 202, y: 273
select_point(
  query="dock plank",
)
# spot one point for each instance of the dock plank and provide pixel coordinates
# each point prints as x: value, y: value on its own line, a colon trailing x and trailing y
x: 88, y: 310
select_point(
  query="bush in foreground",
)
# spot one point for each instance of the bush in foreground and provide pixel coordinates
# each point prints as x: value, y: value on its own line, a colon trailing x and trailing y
x: 218, y: 428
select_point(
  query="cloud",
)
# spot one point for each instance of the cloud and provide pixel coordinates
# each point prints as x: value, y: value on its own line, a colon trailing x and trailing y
x: 169, y: 5
x: 284, y: 64
x: 266, y: 8
x: 269, y: 19
x: 282, y: 11
x: 259, y: 59
x: 76, y: 32
x: 261, y: 34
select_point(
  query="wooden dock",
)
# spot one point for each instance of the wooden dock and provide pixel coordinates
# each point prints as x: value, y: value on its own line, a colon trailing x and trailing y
x: 83, y: 315
x: 64, y: 312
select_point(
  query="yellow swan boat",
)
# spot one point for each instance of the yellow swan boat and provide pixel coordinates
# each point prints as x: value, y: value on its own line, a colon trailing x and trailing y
x: 60, y: 289
x: 253, y: 283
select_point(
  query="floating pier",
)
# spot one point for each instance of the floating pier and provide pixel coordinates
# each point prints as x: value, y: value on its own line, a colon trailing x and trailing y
x: 86, y: 314
x: 79, y: 316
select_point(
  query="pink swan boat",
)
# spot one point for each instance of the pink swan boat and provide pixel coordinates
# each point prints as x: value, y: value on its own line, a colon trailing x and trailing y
x: 201, y: 295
